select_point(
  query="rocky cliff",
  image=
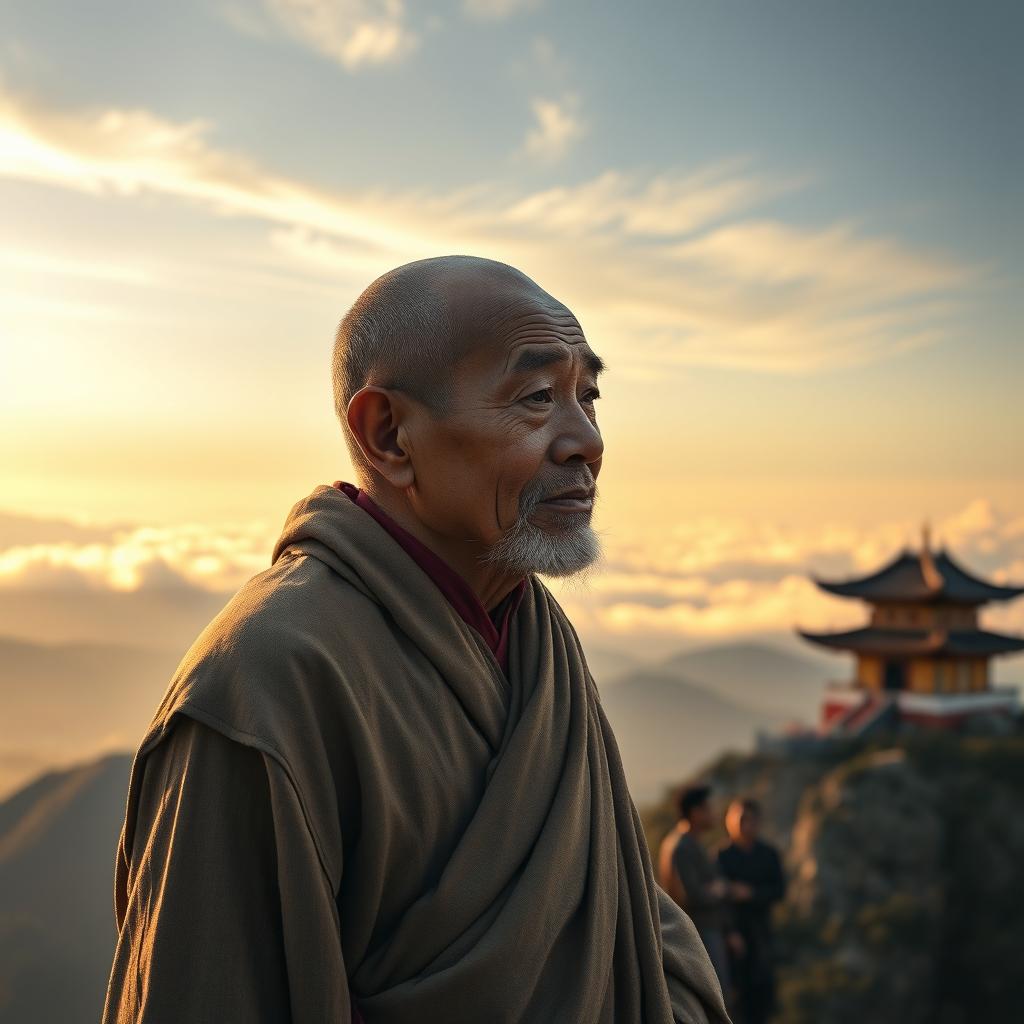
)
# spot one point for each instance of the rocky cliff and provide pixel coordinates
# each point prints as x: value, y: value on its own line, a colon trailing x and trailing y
x: 905, y: 902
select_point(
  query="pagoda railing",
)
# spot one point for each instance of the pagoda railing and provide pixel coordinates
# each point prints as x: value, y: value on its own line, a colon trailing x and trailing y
x: 1003, y: 698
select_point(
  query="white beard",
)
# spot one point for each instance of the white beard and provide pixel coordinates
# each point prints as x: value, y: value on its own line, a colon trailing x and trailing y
x: 526, y: 548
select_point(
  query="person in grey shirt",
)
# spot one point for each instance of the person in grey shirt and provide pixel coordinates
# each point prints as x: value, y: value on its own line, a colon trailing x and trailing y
x: 692, y: 878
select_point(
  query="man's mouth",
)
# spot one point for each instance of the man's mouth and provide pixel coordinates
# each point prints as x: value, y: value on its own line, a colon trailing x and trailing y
x: 579, y: 499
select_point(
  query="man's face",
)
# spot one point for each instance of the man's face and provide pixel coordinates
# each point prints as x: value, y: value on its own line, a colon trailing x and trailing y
x: 702, y: 816
x: 510, y: 469
x: 742, y: 823
x: 750, y: 826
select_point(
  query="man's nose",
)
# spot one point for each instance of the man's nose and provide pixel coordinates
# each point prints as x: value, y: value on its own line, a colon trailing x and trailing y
x: 578, y: 438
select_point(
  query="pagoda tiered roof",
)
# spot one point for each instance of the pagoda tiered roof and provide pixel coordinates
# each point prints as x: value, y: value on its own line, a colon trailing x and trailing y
x: 921, y: 577
x: 909, y: 642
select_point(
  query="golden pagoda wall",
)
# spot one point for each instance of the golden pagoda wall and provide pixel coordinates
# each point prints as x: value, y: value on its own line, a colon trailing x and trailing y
x: 926, y: 675
x: 960, y: 675
x: 869, y: 672
x: 979, y: 674
x: 921, y: 676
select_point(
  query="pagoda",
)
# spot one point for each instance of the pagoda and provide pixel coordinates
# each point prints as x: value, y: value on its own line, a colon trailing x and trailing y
x: 923, y: 657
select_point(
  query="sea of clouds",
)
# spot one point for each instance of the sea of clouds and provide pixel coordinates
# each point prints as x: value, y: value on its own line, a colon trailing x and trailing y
x: 709, y: 576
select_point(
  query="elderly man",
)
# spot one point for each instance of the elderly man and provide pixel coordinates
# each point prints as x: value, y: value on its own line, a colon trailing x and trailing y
x: 381, y: 785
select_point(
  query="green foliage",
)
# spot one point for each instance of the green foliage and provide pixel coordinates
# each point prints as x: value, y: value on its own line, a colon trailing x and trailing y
x: 806, y: 992
x: 896, y: 923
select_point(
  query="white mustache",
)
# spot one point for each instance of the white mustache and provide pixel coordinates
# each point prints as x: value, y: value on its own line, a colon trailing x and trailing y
x: 531, y: 497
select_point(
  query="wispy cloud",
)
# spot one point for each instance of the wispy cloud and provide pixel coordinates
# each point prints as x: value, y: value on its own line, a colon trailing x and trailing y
x: 355, y: 33
x: 17, y: 530
x: 246, y: 17
x: 557, y: 126
x: 771, y: 254
x: 22, y: 260
x: 133, y: 151
x: 677, y: 269
x: 665, y: 206
x: 497, y: 9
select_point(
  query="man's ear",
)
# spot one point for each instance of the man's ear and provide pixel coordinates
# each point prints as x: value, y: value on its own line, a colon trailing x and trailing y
x: 375, y: 417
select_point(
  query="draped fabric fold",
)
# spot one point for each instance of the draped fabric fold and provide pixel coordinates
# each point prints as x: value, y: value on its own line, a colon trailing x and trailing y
x: 474, y: 833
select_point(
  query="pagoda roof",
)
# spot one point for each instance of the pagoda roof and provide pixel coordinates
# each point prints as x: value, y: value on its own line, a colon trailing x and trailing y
x: 921, y: 577
x: 906, y: 642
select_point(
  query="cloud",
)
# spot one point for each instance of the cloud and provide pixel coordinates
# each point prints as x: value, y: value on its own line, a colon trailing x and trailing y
x: 557, y: 126
x: 677, y: 269
x: 133, y: 558
x: 245, y: 18
x: 737, y: 608
x: 664, y: 206
x: 711, y: 577
x: 22, y: 260
x: 497, y: 9
x: 774, y: 255
x: 130, y: 152
x: 719, y: 577
x: 354, y: 33
x: 18, y: 530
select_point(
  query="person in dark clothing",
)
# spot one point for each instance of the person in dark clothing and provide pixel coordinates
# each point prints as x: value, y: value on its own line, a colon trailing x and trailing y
x: 756, y: 882
x: 689, y: 874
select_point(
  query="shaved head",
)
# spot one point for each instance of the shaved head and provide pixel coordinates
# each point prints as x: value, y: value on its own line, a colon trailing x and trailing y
x: 410, y: 328
x: 467, y: 396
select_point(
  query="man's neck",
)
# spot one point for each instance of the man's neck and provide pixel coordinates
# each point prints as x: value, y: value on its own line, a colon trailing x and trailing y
x: 491, y: 584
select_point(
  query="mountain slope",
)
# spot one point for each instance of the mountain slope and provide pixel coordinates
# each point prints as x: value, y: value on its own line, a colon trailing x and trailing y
x: 666, y: 726
x: 760, y: 676
x: 58, y: 837
x: 160, y: 617
x: 67, y: 702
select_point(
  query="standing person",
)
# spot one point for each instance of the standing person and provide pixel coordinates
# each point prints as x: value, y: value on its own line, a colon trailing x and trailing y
x: 691, y: 877
x: 756, y: 882
x: 381, y: 781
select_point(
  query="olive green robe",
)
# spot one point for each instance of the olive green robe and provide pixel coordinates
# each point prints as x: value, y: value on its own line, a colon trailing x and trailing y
x: 343, y: 798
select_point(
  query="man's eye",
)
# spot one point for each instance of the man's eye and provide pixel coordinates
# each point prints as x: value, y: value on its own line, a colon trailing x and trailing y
x: 592, y: 396
x: 540, y: 396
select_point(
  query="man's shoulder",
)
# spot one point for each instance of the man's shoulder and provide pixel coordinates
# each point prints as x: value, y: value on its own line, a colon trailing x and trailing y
x: 687, y: 841
x: 297, y: 602
x: 765, y: 850
x: 293, y: 636
x: 668, y: 841
x: 692, y: 850
x: 679, y: 843
x: 728, y: 853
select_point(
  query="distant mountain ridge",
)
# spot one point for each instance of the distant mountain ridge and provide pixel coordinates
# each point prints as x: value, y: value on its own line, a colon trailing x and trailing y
x: 666, y: 725
x: 58, y: 838
x: 671, y: 715
x: 67, y: 702
x: 761, y: 676
x: 77, y: 700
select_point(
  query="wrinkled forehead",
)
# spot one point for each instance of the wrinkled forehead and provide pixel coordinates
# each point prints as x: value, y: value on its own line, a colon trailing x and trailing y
x: 518, y: 329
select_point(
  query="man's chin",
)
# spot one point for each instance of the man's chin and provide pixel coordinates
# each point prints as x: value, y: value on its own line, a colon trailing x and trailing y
x: 560, y: 549
x: 558, y: 521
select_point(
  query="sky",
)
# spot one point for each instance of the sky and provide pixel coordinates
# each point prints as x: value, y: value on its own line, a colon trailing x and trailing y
x: 791, y: 229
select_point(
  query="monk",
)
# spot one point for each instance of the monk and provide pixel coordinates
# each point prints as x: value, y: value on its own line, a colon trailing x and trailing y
x: 381, y: 785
